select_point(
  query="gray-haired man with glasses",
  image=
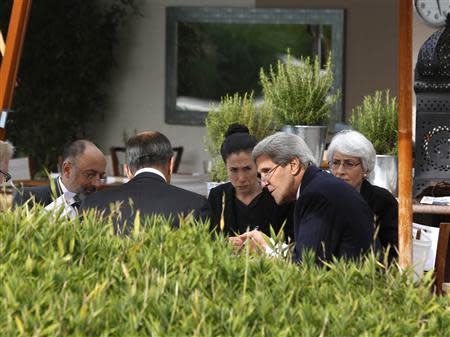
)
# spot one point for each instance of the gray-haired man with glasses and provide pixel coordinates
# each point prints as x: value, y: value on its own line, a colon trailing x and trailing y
x: 330, y: 217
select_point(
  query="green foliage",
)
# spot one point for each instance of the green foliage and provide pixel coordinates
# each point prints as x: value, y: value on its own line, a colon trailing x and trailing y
x: 377, y: 119
x: 219, y: 58
x: 64, y: 71
x: 72, y: 278
x: 218, y: 171
x: 235, y: 109
x: 299, y: 93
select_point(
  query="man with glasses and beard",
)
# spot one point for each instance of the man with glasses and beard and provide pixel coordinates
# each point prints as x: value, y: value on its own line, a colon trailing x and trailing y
x: 330, y: 217
x: 82, y: 171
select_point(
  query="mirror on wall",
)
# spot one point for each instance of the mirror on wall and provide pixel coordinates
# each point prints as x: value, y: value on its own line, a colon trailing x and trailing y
x: 214, y: 51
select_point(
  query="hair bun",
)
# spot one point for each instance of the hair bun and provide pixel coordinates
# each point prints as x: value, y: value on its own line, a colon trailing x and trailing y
x: 236, y: 128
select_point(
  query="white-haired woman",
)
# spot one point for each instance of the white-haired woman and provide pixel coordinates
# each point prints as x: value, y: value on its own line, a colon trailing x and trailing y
x: 351, y: 157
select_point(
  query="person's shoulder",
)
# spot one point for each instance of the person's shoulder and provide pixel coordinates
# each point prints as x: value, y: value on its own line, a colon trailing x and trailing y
x: 37, y: 189
x: 377, y: 192
x: 42, y: 194
x: 219, y: 189
x: 101, y: 197
x: 325, y: 183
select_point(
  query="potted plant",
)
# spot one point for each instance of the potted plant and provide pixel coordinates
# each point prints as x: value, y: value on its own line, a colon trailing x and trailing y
x: 234, y: 109
x: 377, y: 119
x: 299, y: 93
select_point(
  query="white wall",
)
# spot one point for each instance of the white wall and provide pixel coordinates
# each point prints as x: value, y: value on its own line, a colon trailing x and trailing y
x: 138, y: 84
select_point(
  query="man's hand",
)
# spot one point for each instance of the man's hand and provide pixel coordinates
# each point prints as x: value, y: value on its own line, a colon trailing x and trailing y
x: 254, y: 238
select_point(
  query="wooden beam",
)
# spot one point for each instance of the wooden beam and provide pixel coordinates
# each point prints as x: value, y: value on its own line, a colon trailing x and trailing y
x: 405, y: 133
x: 13, y: 50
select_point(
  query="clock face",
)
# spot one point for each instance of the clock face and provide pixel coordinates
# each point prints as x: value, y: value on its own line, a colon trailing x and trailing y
x: 433, y: 12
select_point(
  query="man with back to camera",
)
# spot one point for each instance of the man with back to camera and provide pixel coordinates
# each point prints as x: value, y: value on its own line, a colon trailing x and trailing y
x: 82, y: 171
x: 330, y: 217
x: 149, y: 160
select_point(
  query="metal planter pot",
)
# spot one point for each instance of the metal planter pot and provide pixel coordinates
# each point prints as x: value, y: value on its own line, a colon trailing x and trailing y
x: 314, y: 137
x: 385, y: 173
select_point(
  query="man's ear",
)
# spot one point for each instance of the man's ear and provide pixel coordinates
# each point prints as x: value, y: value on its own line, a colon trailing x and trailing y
x: 66, y: 168
x: 171, y: 164
x: 295, y: 166
x: 127, y: 171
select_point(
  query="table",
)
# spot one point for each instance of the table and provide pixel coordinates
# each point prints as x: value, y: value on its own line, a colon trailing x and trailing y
x: 191, y: 182
x: 431, y: 209
x: 195, y: 183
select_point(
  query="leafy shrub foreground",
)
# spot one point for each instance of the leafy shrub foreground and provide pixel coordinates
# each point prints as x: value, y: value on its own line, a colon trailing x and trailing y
x: 66, y: 278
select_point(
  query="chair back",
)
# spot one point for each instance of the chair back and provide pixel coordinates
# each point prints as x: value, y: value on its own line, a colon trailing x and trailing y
x: 117, y: 160
x: 20, y: 168
x: 442, y: 265
x: 178, y: 152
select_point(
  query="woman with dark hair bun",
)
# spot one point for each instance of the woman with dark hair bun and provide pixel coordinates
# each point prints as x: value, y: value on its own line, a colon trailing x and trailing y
x: 243, y: 202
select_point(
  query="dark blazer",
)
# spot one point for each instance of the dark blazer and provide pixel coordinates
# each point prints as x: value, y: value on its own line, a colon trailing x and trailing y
x: 272, y: 214
x: 385, y: 208
x: 42, y: 194
x: 331, y: 218
x: 149, y: 194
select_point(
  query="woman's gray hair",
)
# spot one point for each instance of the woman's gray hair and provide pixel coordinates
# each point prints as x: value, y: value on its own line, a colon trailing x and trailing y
x: 281, y: 147
x: 355, y: 144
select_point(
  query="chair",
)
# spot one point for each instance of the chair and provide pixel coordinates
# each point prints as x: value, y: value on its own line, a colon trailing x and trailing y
x: 442, y: 264
x: 118, y: 159
x: 21, y: 168
x: 178, y: 152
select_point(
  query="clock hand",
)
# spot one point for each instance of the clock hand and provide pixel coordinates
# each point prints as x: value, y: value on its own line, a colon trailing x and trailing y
x: 439, y: 7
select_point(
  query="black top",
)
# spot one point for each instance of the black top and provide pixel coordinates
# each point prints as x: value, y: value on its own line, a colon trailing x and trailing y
x: 385, y: 208
x: 262, y: 212
x: 331, y: 218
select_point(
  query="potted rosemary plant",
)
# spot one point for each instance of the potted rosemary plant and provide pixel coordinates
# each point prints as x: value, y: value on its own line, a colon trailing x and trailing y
x: 377, y: 119
x: 299, y: 92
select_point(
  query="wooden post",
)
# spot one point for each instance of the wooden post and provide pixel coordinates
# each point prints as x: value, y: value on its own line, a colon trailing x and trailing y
x: 405, y: 133
x: 13, y: 49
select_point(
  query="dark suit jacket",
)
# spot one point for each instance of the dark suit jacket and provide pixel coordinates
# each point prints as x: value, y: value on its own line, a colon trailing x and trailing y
x: 42, y: 194
x: 149, y: 194
x: 272, y: 214
x: 385, y: 208
x: 331, y: 218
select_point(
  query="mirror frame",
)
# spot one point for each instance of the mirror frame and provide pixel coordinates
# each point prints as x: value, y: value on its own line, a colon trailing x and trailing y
x: 243, y: 15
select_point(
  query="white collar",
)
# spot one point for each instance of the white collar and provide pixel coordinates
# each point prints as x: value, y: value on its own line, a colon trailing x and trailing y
x: 63, y: 187
x: 150, y: 170
x: 298, y: 191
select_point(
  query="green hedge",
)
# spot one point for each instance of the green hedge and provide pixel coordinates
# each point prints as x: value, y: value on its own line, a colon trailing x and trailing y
x: 66, y: 278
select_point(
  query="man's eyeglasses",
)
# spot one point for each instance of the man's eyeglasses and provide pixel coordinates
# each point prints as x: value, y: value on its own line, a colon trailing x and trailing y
x: 346, y: 163
x: 266, y: 175
x: 94, y: 176
x: 5, y: 176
